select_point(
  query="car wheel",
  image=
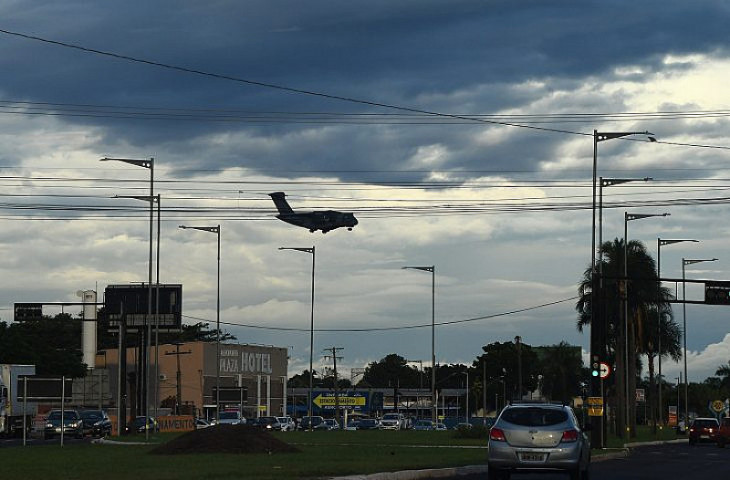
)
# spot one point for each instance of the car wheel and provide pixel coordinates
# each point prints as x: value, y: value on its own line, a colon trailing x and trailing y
x: 721, y: 442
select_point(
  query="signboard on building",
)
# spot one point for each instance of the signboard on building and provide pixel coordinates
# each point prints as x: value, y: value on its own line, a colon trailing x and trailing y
x: 235, y: 395
x: 131, y: 303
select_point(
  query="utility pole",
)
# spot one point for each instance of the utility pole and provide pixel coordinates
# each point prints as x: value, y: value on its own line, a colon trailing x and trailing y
x: 178, y: 376
x: 334, y: 357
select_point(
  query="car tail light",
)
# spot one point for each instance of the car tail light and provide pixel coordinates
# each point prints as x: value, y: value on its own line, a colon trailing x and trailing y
x: 497, y: 435
x: 570, y: 436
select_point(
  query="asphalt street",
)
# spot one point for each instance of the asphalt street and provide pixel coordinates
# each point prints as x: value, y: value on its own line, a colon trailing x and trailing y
x: 665, y: 462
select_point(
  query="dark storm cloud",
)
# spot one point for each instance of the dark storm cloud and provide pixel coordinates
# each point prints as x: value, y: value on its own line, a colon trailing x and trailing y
x: 458, y: 57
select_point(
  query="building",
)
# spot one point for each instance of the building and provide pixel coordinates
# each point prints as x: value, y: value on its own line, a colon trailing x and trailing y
x: 252, y: 378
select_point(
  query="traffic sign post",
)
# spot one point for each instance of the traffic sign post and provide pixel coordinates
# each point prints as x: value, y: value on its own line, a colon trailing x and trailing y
x: 595, y: 406
x: 604, y: 370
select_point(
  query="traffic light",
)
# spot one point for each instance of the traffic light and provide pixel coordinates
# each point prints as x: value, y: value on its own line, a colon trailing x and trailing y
x: 595, y: 367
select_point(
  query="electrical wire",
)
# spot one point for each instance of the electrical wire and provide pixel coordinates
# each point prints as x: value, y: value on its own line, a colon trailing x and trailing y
x: 386, y: 329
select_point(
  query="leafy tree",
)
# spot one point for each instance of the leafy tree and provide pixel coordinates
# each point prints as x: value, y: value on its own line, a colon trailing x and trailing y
x: 561, y: 367
x: 52, y: 344
x: 391, y: 370
x: 500, y: 363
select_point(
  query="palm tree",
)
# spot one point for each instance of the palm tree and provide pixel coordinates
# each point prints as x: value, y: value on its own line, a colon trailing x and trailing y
x: 642, y: 299
x: 649, y: 343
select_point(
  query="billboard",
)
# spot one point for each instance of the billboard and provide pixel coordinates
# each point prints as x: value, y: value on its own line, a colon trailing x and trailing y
x: 132, y: 302
x: 28, y: 311
x: 45, y: 389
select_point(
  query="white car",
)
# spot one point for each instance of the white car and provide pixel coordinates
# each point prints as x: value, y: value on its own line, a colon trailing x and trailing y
x: 392, y: 421
x: 287, y: 424
x: 231, y: 418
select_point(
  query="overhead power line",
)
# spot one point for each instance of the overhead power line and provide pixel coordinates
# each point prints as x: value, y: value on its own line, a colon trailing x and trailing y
x: 385, y: 329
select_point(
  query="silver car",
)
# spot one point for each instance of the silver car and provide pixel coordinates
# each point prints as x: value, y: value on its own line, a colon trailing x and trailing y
x: 538, y: 437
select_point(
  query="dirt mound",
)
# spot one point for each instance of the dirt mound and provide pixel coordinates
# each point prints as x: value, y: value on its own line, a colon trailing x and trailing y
x: 225, y: 439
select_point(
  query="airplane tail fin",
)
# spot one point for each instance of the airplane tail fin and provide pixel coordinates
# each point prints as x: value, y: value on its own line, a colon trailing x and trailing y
x: 282, y: 205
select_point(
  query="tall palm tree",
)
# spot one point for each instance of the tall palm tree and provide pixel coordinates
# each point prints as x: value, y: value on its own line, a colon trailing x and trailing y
x: 649, y: 345
x: 642, y: 299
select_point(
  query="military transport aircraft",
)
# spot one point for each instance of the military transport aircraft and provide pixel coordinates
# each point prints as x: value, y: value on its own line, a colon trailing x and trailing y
x: 325, y: 221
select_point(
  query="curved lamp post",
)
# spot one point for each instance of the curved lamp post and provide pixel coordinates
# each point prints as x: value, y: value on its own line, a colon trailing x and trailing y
x: 432, y: 270
x: 217, y: 231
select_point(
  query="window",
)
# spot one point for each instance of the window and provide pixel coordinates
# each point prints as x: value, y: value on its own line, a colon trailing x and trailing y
x: 534, y: 416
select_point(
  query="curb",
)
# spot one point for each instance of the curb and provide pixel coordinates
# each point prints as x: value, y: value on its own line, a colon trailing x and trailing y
x: 657, y: 442
x: 418, y: 474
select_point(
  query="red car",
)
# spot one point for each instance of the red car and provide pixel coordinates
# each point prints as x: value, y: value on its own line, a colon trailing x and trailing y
x: 723, y: 435
x: 703, y: 429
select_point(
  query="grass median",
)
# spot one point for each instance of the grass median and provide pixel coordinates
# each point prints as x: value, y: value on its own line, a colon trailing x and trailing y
x: 323, y: 454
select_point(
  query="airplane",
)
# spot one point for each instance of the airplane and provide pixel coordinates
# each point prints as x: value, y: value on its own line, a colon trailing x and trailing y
x: 325, y: 221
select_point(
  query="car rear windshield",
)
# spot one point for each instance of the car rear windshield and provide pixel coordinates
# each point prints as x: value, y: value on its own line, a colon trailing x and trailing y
x: 705, y: 423
x: 534, y: 416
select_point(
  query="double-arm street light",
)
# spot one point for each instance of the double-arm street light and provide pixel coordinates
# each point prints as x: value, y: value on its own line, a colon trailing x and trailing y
x: 432, y: 270
x: 311, y: 330
x: 597, y: 334
x: 660, y: 242
x: 150, y: 165
x: 217, y: 231
x: 685, y: 262
x: 627, y: 218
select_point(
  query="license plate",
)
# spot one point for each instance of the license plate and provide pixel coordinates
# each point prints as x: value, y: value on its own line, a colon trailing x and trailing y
x: 532, y: 457
x: 705, y: 436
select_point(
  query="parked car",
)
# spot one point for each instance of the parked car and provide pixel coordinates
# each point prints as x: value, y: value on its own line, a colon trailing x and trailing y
x: 328, y: 424
x: 423, y: 425
x: 538, y: 437
x: 230, y: 417
x: 141, y: 423
x: 287, y: 424
x: 310, y: 421
x: 268, y: 423
x: 352, y: 424
x: 72, y: 424
x: 723, y: 434
x: 392, y: 421
x: 201, y: 423
x: 441, y: 427
x: 703, y: 430
x: 368, y: 424
x: 96, y: 423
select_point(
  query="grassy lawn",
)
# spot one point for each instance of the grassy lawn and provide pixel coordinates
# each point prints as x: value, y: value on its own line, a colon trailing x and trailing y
x: 323, y: 454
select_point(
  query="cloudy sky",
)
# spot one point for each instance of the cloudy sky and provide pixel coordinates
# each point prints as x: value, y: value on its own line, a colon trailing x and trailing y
x: 459, y: 133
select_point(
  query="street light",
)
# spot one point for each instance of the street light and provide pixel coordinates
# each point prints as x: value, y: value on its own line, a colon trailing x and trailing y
x: 217, y: 231
x: 156, y: 199
x: 518, y: 344
x: 597, y: 339
x: 149, y: 164
x: 311, y: 330
x: 686, y: 262
x: 660, y: 242
x: 627, y: 218
x: 431, y: 269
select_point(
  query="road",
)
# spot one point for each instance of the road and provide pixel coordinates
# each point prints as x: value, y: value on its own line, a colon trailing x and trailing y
x: 665, y: 462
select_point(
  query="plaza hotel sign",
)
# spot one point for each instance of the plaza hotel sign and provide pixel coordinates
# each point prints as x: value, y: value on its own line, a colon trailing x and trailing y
x: 243, y: 361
